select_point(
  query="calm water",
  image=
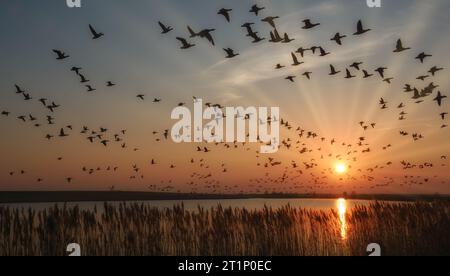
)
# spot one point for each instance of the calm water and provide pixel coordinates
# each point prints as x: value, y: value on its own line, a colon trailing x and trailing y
x: 192, y: 205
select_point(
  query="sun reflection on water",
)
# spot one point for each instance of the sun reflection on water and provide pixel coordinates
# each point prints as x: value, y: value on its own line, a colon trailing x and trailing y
x: 342, y: 210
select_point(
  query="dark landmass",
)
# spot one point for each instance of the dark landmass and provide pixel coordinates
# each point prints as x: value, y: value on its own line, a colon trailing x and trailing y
x: 84, y: 196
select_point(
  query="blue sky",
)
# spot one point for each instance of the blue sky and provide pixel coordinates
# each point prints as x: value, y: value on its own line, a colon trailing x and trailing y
x: 139, y: 59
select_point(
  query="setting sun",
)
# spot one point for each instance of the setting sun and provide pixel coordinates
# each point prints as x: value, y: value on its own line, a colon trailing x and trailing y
x: 341, y: 168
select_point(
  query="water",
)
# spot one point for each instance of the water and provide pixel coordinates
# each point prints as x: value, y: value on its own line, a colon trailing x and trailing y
x: 192, y: 205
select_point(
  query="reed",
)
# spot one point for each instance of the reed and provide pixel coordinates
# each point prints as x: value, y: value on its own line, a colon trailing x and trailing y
x: 136, y: 229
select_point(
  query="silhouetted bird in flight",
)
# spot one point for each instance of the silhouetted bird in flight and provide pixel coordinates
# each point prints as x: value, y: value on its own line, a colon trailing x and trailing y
x: 408, y: 88
x: 434, y: 70
x: 255, y: 9
x: 5, y: 113
x: 356, y: 65
x: 279, y: 66
x: 422, y: 56
x: 62, y: 133
x: 83, y: 78
x: 248, y: 27
x: 95, y: 34
x: 422, y: 78
x: 19, y: 90
x: 275, y: 36
x: 307, y: 75
x: 27, y: 97
x: 286, y: 38
x: 333, y: 71
x: 366, y: 74
x: 388, y: 80
x: 206, y: 33
x: 156, y: 100
x: 60, y: 55
x: 301, y: 51
x: 338, y: 38
x: 230, y: 53
x: 270, y: 20
x: 22, y: 118
x: 185, y: 44
x: 225, y: 13
x: 76, y: 70
x: 380, y: 71
x: 165, y: 29
x: 295, y: 60
x: 110, y: 84
x: 256, y: 38
x: 399, y: 47
x: 348, y: 74
x: 32, y: 118
x: 360, y: 29
x: 140, y: 96
x: 308, y: 25
x: 290, y: 78
x: 439, y: 98
x: 443, y: 115
x: 90, y: 89
x: 323, y: 52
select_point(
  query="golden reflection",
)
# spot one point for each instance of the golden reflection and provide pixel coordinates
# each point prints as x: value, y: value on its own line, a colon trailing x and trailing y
x: 342, y: 210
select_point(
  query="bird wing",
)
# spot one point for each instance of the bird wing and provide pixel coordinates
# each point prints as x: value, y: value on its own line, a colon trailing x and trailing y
x: 210, y: 38
x: 182, y: 40
x: 294, y: 58
x: 92, y: 30
x: 191, y: 32
x: 360, y: 26
x: 163, y: 27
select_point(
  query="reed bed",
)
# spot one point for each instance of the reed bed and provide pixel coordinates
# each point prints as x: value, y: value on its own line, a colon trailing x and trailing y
x: 136, y: 230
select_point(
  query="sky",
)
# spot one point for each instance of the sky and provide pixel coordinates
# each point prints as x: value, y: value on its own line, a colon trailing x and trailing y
x: 140, y: 60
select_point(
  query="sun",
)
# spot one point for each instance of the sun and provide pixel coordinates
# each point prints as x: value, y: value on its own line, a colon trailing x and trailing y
x: 340, y: 168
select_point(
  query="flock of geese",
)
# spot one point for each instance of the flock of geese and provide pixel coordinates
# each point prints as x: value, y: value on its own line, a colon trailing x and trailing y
x: 309, y: 175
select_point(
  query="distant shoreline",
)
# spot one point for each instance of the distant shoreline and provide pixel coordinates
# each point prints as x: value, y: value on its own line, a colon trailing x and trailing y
x: 96, y: 196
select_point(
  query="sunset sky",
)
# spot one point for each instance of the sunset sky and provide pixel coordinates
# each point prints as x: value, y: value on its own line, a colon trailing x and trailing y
x: 140, y: 60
